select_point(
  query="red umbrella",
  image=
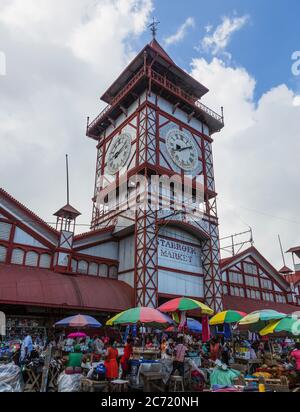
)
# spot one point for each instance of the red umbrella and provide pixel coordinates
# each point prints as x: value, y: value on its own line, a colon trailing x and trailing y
x: 77, y: 335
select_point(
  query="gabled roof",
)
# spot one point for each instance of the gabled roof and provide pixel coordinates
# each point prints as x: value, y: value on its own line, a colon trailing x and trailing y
x: 258, y: 257
x: 33, y: 219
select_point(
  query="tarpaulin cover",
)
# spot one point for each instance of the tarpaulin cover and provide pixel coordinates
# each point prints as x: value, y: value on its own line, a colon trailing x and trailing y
x: 11, y: 377
x: 69, y: 383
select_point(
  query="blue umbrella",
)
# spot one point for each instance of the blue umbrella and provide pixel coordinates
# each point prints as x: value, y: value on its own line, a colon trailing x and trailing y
x: 194, y: 326
x: 79, y: 321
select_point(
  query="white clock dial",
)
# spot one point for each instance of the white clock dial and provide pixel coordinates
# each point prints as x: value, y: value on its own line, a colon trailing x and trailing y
x: 182, y: 149
x: 119, y: 153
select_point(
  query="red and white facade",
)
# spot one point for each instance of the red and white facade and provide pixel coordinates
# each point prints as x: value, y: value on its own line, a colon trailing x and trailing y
x: 136, y: 257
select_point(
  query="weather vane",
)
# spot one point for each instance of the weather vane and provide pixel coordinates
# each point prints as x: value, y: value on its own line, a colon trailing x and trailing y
x: 154, y: 27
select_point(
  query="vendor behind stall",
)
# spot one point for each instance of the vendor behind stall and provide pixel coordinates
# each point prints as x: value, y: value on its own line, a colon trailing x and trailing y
x: 26, y: 348
x: 74, y: 361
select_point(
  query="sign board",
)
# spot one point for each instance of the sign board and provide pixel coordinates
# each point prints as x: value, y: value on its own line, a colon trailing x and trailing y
x: 174, y: 254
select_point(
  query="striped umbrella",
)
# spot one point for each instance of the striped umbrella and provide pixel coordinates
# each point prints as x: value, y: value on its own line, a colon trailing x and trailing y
x: 146, y: 316
x: 184, y: 305
x: 290, y: 324
x: 79, y: 321
x: 262, y: 316
x: 229, y: 316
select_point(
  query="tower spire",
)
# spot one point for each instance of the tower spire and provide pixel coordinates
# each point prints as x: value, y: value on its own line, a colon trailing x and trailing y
x: 154, y: 27
x: 68, y: 182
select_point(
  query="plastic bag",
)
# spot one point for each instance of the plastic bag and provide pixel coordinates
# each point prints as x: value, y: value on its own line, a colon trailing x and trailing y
x: 11, y: 375
x: 69, y: 383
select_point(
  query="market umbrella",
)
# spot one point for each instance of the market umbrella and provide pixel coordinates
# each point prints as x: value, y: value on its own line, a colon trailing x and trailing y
x: 79, y: 321
x: 262, y: 316
x: 289, y: 324
x: 229, y: 316
x: 77, y: 335
x: 192, y: 325
x: 184, y: 305
x: 146, y: 316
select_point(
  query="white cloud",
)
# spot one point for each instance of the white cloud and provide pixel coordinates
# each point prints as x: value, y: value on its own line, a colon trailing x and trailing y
x: 60, y: 57
x: 217, y: 41
x: 256, y: 156
x: 181, y: 32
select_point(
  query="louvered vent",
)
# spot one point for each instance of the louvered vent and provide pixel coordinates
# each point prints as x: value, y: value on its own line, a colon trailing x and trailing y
x: 5, y: 229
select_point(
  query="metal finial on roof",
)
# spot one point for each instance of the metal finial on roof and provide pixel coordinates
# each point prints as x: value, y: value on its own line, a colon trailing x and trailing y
x: 154, y: 27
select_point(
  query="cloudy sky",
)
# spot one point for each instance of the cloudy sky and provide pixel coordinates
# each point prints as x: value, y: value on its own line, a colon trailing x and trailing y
x: 60, y: 56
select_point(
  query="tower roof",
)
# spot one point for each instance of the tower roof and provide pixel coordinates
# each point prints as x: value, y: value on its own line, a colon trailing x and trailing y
x: 67, y: 212
x: 157, y: 47
x: 160, y: 59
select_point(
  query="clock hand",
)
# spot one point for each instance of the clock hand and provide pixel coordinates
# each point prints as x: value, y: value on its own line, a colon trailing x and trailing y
x: 117, y: 154
x: 183, y: 149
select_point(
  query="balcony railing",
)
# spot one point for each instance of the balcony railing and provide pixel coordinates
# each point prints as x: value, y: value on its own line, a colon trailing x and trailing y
x: 162, y: 81
x: 190, y: 99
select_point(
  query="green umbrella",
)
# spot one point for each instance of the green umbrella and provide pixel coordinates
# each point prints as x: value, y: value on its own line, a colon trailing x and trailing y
x: 290, y: 324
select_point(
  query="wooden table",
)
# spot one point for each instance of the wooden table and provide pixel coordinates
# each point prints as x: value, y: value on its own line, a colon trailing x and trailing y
x: 33, y: 383
x: 152, y: 380
x: 87, y: 385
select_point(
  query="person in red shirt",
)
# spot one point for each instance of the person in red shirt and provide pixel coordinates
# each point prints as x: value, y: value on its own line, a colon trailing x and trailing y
x: 295, y: 355
x: 111, y: 362
x: 214, y: 349
x: 125, y: 361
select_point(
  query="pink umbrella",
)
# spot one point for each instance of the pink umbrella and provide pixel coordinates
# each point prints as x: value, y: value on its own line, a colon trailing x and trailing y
x: 76, y: 335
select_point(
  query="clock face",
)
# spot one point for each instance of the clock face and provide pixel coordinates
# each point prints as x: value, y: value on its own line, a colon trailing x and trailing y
x: 182, y: 149
x: 119, y: 153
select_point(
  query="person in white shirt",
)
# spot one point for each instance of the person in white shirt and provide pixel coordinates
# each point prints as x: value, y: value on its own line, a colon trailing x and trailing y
x: 26, y: 348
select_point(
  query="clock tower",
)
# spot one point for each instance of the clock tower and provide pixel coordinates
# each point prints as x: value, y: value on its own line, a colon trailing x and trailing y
x: 155, y: 125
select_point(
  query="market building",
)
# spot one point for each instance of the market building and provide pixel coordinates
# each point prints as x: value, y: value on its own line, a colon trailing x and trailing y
x: 154, y: 124
x: 250, y: 282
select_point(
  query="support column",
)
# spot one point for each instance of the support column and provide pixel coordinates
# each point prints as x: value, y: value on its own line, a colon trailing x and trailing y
x: 146, y: 258
x: 213, y: 293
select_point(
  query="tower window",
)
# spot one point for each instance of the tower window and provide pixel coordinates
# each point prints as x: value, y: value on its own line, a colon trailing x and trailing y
x: 3, y: 252
x: 93, y: 269
x: 83, y: 267
x: 103, y: 272
x: 17, y: 257
x: 5, y: 229
x: 32, y: 259
x: 45, y: 261
x: 113, y: 272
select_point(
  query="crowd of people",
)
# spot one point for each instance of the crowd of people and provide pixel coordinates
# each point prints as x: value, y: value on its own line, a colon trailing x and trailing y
x: 116, y: 353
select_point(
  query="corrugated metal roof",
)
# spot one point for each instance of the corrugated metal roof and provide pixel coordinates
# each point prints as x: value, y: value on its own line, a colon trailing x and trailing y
x: 44, y: 288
